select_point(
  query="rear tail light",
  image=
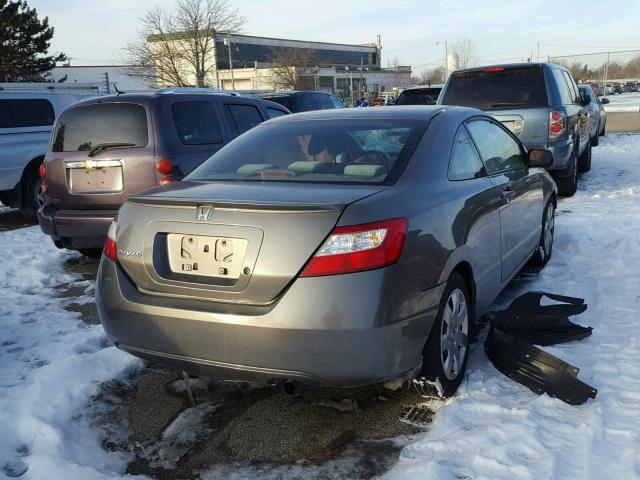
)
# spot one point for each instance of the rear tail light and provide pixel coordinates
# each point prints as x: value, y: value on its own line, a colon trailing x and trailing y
x: 42, y: 171
x: 110, y: 250
x: 557, y: 124
x: 359, y: 247
x: 164, y: 166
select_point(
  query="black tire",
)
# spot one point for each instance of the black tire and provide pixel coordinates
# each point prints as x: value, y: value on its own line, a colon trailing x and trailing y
x: 92, y: 253
x: 435, y: 354
x: 584, y: 162
x: 568, y: 185
x: 545, y: 247
x: 595, y: 140
x: 31, y: 197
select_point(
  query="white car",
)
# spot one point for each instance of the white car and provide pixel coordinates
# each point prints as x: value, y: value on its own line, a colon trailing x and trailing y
x: 25, y: 127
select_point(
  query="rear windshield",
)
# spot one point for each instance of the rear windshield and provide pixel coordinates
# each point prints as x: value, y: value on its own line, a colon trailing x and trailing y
x: 419, y: 96
x: 497, y: 90
x: 82, y: 128
x: 339, y: 151
x: 285, y: 101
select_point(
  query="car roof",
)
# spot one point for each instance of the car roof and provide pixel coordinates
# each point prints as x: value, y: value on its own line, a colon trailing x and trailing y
x: 146, y: 98
x: 408, y: 112
x: 510, y: 66
x: 417, y: 87
x: 290, y: 93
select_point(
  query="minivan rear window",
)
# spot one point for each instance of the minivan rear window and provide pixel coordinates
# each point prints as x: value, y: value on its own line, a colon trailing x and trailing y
x: 26, y: 113
x: 316, y: 151
x: 82, y: 128
x: 497, y: 89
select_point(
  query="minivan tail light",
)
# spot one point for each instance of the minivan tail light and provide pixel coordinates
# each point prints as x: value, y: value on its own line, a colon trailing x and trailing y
x: 164, y: 166
x: 357, y: 248
x: 110, y: 249
x: 557, y: 124
x: 42, y: 170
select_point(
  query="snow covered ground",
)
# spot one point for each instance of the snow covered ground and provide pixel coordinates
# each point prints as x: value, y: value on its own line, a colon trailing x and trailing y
x: 495, y: 428
x: 52, y: 362
x: 625, y: 102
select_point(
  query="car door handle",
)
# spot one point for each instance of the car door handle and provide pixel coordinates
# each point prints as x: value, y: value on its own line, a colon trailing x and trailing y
x: 506, y: 193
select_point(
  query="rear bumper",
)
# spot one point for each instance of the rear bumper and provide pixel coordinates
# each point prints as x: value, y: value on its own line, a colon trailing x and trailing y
x: 76, y: 228
x: 295, y: 339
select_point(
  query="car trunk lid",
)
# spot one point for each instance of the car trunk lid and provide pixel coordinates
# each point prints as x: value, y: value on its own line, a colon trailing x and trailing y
x: 227, y: 241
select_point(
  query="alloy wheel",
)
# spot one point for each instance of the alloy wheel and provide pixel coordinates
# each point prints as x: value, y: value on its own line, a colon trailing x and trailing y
x: 454, y: 334
x: 548, y: 230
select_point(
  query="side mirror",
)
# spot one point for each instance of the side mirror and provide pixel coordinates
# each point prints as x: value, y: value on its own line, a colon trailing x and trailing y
x: 586, y: 99
x: 540, y: 158
x: 605, y: 100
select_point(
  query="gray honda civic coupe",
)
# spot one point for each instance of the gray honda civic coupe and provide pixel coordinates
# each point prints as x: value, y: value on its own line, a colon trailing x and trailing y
x: 341, y: 247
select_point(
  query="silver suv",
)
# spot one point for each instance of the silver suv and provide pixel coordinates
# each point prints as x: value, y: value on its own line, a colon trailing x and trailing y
x: 539, y: 102
x: 25, y: 127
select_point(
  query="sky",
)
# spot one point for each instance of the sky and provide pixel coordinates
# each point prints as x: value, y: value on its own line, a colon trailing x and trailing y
x: 413, y: 32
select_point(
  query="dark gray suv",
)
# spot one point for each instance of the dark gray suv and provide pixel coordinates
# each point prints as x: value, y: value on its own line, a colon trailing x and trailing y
x: 539, y: 102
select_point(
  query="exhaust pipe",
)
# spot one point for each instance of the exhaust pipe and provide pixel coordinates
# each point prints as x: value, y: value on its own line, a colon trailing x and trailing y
x: 292, y: 388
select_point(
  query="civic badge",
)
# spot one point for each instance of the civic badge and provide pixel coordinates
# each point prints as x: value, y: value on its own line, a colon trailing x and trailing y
x: 204, y: 213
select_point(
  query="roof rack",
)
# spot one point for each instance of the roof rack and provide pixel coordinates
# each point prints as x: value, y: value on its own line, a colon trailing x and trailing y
x: 193, y: 90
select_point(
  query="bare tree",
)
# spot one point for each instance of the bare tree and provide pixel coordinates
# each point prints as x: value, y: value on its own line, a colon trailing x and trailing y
x: 432, y: 75
x: 177, y: 47
x: 291, y: 68
x: 465, y: 52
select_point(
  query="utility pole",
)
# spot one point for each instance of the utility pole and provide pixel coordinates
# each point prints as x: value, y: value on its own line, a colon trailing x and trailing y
x: 360, y: 84
x: 446, y: 59
x: 228, y: 42
x: 606, y: 74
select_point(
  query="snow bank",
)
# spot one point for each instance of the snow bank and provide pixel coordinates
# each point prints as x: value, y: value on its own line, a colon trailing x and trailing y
x: 51, y: 363
x: 497, y: 429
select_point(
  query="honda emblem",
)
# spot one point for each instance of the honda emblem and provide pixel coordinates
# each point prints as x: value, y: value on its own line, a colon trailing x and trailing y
x: 204, y: 213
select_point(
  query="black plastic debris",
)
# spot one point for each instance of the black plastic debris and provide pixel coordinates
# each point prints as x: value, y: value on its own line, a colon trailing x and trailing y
x: 526, y: 322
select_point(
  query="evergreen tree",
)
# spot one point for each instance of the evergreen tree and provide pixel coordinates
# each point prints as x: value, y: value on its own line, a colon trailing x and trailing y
x: 24, y: 43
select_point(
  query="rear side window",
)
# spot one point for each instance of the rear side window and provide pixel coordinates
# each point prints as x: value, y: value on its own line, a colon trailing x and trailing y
x: 307, y: 102
x: 563, y: 87
x: 196, y: 123
x: 325, y: 102
x: 245, y: 116
x: 572, y: 87
x: 465, y: 163
x: 82, y: 128
x: 285, y: 101
x: 336, y: 103
x: 497, y: 89
x: 498, y: 149
x: 26, y: 113
x: 419, y: 96
x: 274, y: 112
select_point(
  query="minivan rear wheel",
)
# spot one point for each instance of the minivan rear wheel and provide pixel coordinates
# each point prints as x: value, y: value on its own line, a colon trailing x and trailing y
x: 444, y: 357
x: 568, y: 185
x: 32, y: 198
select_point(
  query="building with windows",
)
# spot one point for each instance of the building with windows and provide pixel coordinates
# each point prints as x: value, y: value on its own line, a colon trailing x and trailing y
x: 245, y: 62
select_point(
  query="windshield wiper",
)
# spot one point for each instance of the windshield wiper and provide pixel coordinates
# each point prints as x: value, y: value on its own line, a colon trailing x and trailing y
x: 513, y: 104
x: 105, y: 146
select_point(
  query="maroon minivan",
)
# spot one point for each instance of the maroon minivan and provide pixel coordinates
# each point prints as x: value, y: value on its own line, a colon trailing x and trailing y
x: 105, y: 148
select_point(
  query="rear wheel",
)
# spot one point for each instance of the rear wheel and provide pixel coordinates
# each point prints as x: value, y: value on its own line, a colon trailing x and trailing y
x: 543, y: 253
x: 568, y: 185
x: 32, y: 197
x: 444, y: 357
x: 595, y: 140
x: 584, y: 163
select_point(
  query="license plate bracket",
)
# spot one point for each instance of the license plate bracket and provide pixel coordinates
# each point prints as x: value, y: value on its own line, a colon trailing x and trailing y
x: 207, y: 256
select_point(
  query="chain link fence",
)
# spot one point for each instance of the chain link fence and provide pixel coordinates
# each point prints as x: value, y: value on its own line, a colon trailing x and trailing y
x: 603, y: 67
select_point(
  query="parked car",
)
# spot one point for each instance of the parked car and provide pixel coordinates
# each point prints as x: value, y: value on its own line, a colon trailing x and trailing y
x: 617, y: 87
x: 420, y: 95
x: 106, y: 148
x: 597, y: 114
x: 304, y: 100
x: 632, y: 87
x: 539, y: 103
x: 248, y: 269
x: 607, y: 89
x: 25, y: 128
